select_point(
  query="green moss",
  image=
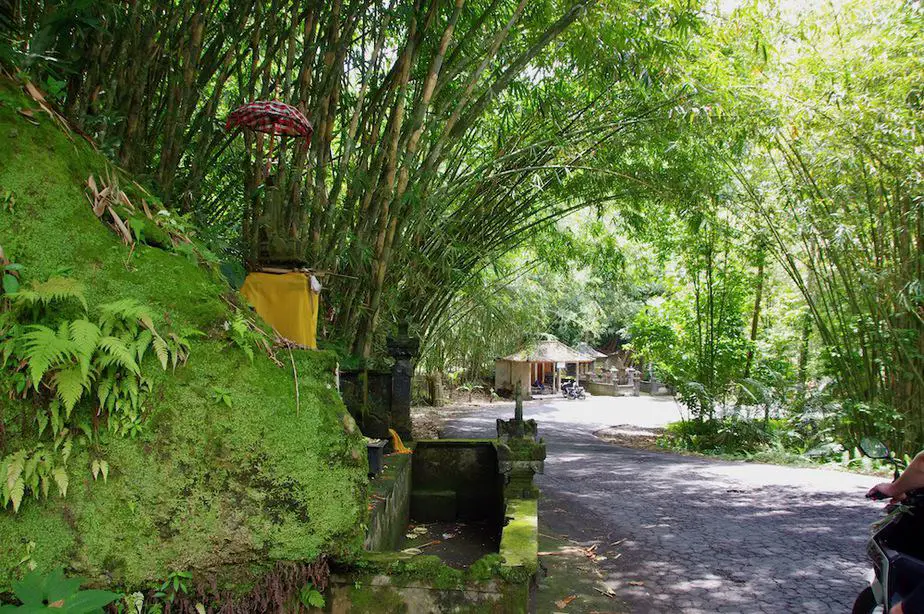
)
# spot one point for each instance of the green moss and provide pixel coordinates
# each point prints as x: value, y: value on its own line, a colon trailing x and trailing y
x: 382, y: 576
x: 205, y: 487
x: 523, y: 449
x: 367, y: 599
x: 520, y: 538
x: 486, y: 568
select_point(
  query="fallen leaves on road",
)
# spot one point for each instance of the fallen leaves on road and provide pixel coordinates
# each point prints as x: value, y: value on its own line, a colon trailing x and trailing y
x: 561, y: 604
x: 590, y: 552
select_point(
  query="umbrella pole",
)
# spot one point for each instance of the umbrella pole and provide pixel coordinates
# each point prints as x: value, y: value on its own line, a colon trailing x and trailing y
x: 269, y: 157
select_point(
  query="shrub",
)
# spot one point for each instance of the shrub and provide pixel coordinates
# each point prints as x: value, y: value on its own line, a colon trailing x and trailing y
x: 721, y: 435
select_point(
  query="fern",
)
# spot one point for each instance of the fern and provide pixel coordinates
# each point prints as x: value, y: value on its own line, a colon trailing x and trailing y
x: 85, y: 335
x: 35, y: 469
x: 179, y: 349
x: 245, y: 335
x: 141, y: 344
x: 15, y: 463
x: 45, y: 349
x: 69, y: 384
x: 60, y: 475
x: 104, y: 390
x: 162, y: 351
x: 116, y: 351
x: 79, y: 358
x: 55, y: 289
x: 125, y: 315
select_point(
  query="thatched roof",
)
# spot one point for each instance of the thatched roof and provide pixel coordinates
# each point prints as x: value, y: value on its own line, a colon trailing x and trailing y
x: 586, y: 350
x: 549, y: 350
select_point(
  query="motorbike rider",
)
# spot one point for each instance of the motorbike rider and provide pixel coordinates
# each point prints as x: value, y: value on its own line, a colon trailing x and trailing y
x: 911, y: 478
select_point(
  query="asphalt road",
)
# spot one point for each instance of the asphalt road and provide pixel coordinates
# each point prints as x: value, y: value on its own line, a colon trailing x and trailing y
x: 687, y: 534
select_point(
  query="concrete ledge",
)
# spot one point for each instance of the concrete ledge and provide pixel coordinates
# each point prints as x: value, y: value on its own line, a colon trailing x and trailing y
x: 390, y: 502
x: 519, y: 545
x: 383, y: 594
x: 601, y: 390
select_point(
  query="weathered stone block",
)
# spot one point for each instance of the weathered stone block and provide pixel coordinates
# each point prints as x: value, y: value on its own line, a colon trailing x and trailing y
x: 391, y: 504
x: 434, y: 505
x: 466, y: 467
x: 509, y: 429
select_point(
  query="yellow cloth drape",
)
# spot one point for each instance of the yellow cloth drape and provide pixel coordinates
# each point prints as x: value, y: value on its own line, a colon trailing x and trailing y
x: 287, y: 303
x: 397, y: 444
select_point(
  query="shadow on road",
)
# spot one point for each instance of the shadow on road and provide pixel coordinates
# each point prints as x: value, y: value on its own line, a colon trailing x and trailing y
x: 687, y: 534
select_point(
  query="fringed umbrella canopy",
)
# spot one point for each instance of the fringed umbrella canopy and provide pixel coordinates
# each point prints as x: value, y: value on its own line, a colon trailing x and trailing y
x: 271, y: 117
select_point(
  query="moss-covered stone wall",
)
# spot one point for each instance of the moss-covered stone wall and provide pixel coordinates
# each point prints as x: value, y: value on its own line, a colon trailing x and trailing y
x: 220, y: 491
x: 390, y: 504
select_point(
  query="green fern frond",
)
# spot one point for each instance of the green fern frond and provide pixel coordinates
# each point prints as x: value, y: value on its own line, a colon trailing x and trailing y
x: 15, y: 463
x: 140, y: 346
x: 56, y: 289
x: 131, y: 388
x: 61, y: 479
x: 239, y: 326
x: 162, y: 351
x: 85, y: 335
x: 70, y: 383
x: 125, y: 314
x: 66, y: 443
x: 118, y: 352
x: 104, y: 389
x: 17, y: 492
x: 45, y: 349
x: 179, y: 349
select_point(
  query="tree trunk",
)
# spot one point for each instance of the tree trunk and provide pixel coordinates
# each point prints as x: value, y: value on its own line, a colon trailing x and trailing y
x: 755, y: 314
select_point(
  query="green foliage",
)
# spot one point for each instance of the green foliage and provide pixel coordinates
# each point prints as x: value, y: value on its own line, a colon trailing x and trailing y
x: 243, y: 333
x: 176, y: 584
x: 222, y: 395
x: 310, y: 597
x: 720, y: 436
x: 9, y: 276
x: 695, y: 334
x: 56, y: 289
x: 56, y: 593
x: 77, y: 360
x: 80, y: 359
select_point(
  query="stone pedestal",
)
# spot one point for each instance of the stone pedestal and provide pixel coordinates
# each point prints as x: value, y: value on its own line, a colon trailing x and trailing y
x: 403, y: 348
x: 635, y: 380
x: 520, y: 453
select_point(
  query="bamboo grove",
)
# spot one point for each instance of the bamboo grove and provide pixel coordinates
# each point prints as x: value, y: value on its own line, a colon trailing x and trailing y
x: 835, y: 183
x: 412, y: 163
x: 450, y: 133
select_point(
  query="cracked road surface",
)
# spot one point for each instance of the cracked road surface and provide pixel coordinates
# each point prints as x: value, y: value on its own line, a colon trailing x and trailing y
x: 688, y: 534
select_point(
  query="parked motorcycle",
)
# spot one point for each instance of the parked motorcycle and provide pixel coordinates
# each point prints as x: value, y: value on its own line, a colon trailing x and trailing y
x: 571, y: 390
x: 896, y: 548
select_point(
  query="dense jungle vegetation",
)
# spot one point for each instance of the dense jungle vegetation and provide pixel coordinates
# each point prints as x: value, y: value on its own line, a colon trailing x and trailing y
x: 733, y: 191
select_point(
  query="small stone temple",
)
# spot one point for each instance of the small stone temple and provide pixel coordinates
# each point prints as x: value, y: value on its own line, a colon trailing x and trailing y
x: 538, y: 363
